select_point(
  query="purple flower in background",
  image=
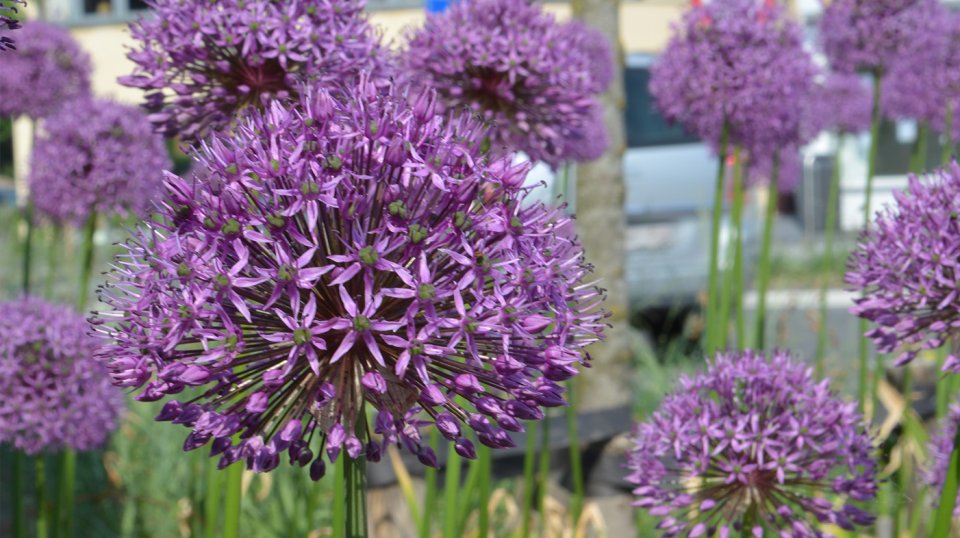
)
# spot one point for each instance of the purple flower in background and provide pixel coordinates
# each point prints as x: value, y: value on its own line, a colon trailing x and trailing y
x: 940, y: 448
x: 789, y: 168
x: 865, y: 35
x: 739, y: 63
x: 53, y: 394
x: 48, y: 69
x: 8, y: 8
x: 904, y: 267
x: 345, y: 255
x: 98, y: 156
x: 841, y: 102
x: 201, y: 62
x: 532, y: 80
x: 753, y: 442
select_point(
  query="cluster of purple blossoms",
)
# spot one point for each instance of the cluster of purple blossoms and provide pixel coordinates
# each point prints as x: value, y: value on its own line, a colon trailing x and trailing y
x: 752, y: 443
x: 905, y: 265
x: 738, y: 65
x: 99, y: 156
x: 841, y: 102
x: 940, y: 449
x: 53, y: 394
x: 864, y: 35
x: 201, y: 62
x: 532, y: 80
x: 48, y: 70
x: 344, y: 255
x: 8, y: 8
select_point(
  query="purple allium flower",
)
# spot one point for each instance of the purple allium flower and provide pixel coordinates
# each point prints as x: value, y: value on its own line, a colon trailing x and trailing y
x: 841, y: 102
x: 904, y: 267
x: 96, y: 155
x: 8, y: 8
x: 789, y: 169
x: 202, y: 62
x: 53, y: 394
x: 865, y: 35
x: 940, y: 449
x: 753, y: 442
x: 342, y: 256
x: 533, y: 80
x: 739, y: 63
x: 48, y: 69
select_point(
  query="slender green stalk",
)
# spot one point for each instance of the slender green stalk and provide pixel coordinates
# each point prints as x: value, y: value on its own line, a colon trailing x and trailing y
x: 451, y: 487
x: 904, y: 475
x: 948, y: 496
x: 53, y: 260
x: 430, y: 494
x: 339, y: 497
x: 829, y: 229
x: 43, y: 512
x: 355, y: 473
x: 19, y: 493
x: 763, y: 270
x: 211, y: 503
x: 27, y: 216
x: 947, y: 152
x: 576, y: 465
x: 918, y: 161
x: 469, y: 496
x: 233, y: 498
x: 544, y: 473
x: 864, y: 350
x: 87, y: 262
x: 713, y: 323
x: 68, y: 487
x: 485, y: 457
x: 529, y: 459
x: 737, y: 218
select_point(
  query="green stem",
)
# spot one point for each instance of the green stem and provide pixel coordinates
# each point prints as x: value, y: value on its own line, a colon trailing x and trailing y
x: 43, y: 514
x: 87, y: 262
x: 339, y: 497
x: 864, y: 350
x: 904, y: 475
x: 355, y: 471
x: 68, y: 486
x: 713, y: 328
x: 470, y: 488
x: 763, y: 271
x: 529, y: 460
x: 232, y: 501
x: 576, y: 465
x: 826, y: 263
x: 19, y: 492
x: 544, y: 473
x: 948, y: 497
x: 211, y: 503
x: 918, y: 161
x: 27, y: 216
x: 737, y: 218
x: 430, y: 495
x: 947, y: 151
x: 451, y: 486
x: 53, y: 260
x: 485, y: 457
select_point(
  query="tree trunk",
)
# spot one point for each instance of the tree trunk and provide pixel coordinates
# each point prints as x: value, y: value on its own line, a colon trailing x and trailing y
x: 600, y: 225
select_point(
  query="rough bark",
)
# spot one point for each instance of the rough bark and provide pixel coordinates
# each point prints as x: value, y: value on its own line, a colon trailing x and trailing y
x: 600, y: 225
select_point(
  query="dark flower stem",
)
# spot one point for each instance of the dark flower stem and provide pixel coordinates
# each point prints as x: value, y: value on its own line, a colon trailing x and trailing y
x: 43, y: 514
x: 827, y: 261
x: 544, y: 473
x: 67, y: 485
x: 733, y: 283
x: 339, y: 497
x: 864, y: 351
x: 529, y: 459
x: 19, y: 518
x: 53, y: 260
x: 713, y: 325
x: 947, y: 151
x: 27, y: 216
x: 948, y: 497
x: 484, y: 457
x: 430, y: 495
x: 355, y: 471
x: 763, y: 272
x: 232, y: 501
x: 576, y: 467
x: 211, y: 501
x: 918, y: 161
x: 87, y: 262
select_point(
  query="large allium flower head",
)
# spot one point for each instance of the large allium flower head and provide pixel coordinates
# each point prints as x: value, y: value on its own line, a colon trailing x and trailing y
x: 532, y: 79
x: 940, y: 449
x: 739, y: 63
x: 8, y: 9
x: 202, y: 62
x: 96, y: 155
x: 841, y: 102
x: 865, y: 35
x: 904, y: 267
x: 53, y: 394
x: 346, y: 255
x: 753, y: 442
x: 48, y: 70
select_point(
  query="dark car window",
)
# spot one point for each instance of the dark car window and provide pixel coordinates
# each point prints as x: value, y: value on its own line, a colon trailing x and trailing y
x: 645, y: 126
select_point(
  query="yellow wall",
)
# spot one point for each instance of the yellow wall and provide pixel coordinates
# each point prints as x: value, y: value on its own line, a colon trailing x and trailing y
x: 644, y: 27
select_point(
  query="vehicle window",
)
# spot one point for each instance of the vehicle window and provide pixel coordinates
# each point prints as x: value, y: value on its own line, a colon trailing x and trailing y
x: 645, y: 126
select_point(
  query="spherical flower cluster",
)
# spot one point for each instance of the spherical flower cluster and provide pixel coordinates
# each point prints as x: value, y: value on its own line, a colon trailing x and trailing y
x: 98, y: 156
x: 533, y: 80
x: 753, y: 443
x: 940, y: 449
x: 53, y: 394
x: 348, y: 255
x: 842, y: 102
x: 202, y: 62
x: 905, y: 267
x: 864, y: 35
x: 8, y: 8
x: 48, y: 70
x: 738, y: 65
